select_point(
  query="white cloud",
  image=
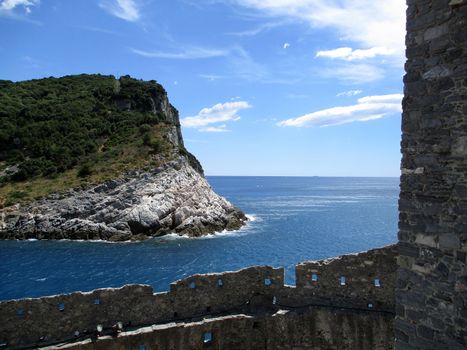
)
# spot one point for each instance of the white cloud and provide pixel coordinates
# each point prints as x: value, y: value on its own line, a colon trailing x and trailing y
x: 348, y: 54
x: 243, y: 66
x: 211, y: 77
x: 220, y: 128
x: 190, y: 53
x: 260, y: 29
x: 286, y: 45
x: 367, y: 108
x: 370, y: 28
x: 219, y: 113
x: 8, y: 6
x: 100, y: 30
x: 380, y: 98
x: 292, y: 95
x: 369, y: 23
x: 349, y: 93
x: 354, y: 73
x: 125, y: 9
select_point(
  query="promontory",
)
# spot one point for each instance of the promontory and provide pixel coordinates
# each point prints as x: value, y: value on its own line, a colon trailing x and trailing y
x: 96, y: 157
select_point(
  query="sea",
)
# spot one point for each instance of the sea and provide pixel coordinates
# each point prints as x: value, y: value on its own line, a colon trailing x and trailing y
x: 292, y: 219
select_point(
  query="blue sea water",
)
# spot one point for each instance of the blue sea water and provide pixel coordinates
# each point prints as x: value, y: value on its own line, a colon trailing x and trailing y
x: 295, y: 219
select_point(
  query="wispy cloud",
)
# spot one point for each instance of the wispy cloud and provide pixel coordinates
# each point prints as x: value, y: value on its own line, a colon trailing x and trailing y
x: 381, y: 98
x: 220, y: 128
x: 211, y: 77
x: 349, y: 54
x: 10, y: 5
x: 18, y: 9
x: 258, y: 30
x: 367, y: 108
x: 371, y: 28
x: 349, y: 93
x: 219, y: 113
x: 243, y: 66
x: 238, y: 62
x: 354, y: 73
x: 190, y: 53
x: 367, y: 22
x: 127, y: 10
x: 100, y: 30
x: 240, y: 65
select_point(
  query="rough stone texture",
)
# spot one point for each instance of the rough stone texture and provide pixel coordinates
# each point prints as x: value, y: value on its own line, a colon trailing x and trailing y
x: 431, y: 291
x: 312, y: 328
x: 175, y: 198
x: 321, y: 318
x: 369, y: 279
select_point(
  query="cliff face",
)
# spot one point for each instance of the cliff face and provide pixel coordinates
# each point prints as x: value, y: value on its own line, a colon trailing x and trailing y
x: 139, y: 182
x: 139, y: 205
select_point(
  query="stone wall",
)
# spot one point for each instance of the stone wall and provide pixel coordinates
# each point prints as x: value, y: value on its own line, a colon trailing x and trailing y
x: 358, y: 280
x: 314, y: 328
x: 55, y: 318
x: 431, y: 291
x: 252, y: 291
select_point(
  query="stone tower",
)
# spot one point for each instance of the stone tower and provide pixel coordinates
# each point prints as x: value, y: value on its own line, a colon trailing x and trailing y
x: 431, y: 289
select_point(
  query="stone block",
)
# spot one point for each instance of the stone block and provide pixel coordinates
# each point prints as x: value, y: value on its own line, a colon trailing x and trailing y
x: 457, y: 2
x: 427, y: 240
x: 409, y: 250
x: 436, y: 31
x: 459, y: 147
x: 461, y: 256
x: 425, y: 332
x: 449, y: 241
x: 437, y: 72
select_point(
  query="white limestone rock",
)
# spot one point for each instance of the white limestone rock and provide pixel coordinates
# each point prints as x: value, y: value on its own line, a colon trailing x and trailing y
x: 175, y: 199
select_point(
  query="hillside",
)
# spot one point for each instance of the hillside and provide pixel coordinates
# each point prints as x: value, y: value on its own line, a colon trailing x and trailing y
x: 58, y: 133
x: 95, y: 157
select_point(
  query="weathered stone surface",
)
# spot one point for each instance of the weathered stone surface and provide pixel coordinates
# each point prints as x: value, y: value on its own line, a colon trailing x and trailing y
x: 139, y: 205
x: 365, y: 278
x: 430, y: 291
x: 310, y: 328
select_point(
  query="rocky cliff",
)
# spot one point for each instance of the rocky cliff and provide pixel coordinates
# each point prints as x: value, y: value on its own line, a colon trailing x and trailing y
x: 139, y: 205
x: 141, y: 184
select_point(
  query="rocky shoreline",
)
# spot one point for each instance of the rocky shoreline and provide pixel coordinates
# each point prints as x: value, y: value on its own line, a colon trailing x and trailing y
x: 136, y: 206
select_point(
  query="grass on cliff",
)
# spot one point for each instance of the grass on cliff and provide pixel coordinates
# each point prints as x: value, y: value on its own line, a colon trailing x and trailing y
x: 104, y: 165
x: 60, y: 133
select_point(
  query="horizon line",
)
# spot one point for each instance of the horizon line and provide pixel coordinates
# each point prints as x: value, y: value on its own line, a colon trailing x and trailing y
x: 334, y: 176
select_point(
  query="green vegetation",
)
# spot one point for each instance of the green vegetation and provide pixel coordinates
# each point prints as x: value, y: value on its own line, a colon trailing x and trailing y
x: 66, y: 132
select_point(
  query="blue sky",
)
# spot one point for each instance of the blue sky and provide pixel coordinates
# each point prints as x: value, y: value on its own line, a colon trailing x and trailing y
x: 264, y: 87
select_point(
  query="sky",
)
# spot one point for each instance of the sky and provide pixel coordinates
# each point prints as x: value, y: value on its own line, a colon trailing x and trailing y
x: 263, y: 87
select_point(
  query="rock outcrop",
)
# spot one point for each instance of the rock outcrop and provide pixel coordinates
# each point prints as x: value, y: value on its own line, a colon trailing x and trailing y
x: 172, y: 198
x: 136, y: 206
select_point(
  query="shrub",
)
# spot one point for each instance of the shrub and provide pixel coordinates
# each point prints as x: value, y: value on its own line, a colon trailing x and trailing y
x: 85, y: 170
x: 50, y: 125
